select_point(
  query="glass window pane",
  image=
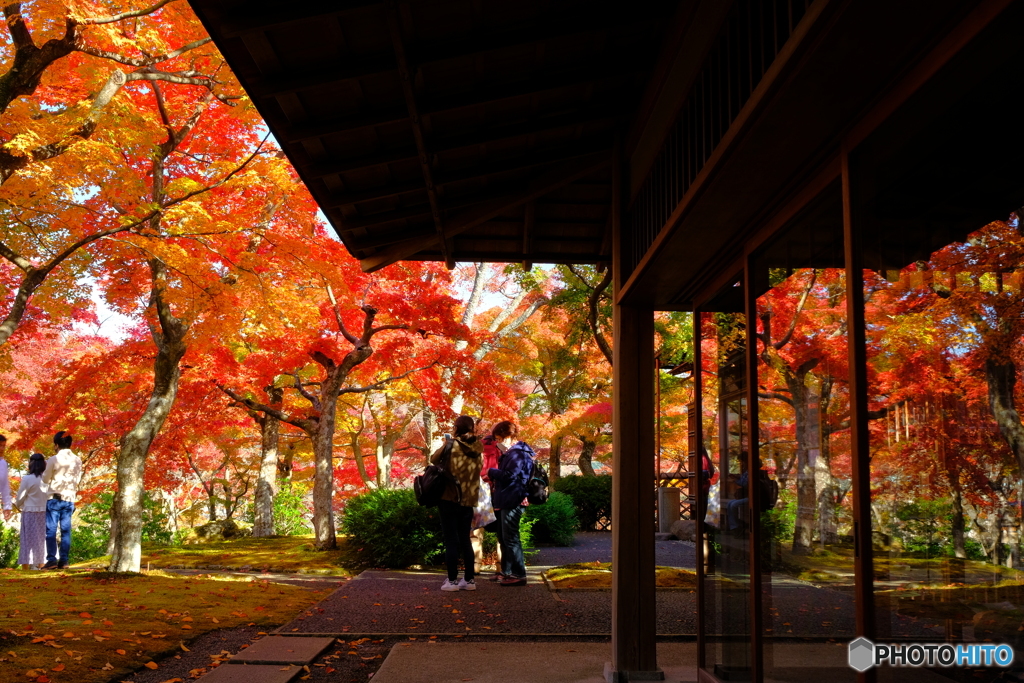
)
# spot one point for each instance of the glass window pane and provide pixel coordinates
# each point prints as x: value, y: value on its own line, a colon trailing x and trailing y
x: 944, y: 353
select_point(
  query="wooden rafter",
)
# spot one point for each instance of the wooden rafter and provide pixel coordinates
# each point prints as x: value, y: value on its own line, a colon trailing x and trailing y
x: 505, y: 134
x: 555, y: 177
x: 534, y: 159
x: 417, y: 128
x: 247, y: 21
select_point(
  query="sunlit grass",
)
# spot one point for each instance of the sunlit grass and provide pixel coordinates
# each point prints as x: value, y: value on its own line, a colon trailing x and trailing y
x: 90, y: 627
x: 599, y: 575
x: 282, y: 554
x: 836, y: 567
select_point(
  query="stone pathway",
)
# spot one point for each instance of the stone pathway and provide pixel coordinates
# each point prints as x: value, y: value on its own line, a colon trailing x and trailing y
x: 346, y: 636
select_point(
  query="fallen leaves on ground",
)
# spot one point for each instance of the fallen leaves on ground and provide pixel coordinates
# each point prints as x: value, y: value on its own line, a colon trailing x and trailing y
x: 47, y: 628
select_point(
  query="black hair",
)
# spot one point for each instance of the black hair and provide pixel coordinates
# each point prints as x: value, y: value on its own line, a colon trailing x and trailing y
x: 464, y: 424
x: 62, y: 439
x: 504, y: 429
x: 36, y: 464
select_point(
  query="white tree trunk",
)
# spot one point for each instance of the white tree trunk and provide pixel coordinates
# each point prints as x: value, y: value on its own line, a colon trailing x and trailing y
x: 266, y: 483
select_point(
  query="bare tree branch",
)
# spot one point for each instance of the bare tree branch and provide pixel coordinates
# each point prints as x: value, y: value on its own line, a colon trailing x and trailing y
x: 142, y: 61
x: 384, y: 382
x: 352, y: 339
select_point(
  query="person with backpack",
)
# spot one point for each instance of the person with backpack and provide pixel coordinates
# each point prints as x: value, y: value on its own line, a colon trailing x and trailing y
x: 495, y: 444
x: 460, y: 497
x: 510, y: 487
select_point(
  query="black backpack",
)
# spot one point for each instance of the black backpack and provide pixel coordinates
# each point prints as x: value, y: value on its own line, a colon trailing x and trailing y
x: 429, y: 487
x: 537, y: 485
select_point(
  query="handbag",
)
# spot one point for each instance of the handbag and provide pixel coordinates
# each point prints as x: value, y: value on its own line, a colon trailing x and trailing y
x: 483, y: 513
x: 429, y: 487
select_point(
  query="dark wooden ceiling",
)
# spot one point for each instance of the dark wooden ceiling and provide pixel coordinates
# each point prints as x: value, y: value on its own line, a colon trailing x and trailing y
x: 455, y: 130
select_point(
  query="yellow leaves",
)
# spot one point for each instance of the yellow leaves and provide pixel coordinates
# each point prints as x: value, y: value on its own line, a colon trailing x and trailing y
x: 151, y: 665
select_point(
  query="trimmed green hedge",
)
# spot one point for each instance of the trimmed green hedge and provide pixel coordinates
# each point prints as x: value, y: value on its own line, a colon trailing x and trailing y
x: 394, y: 530
x: 592, y: 497
x: 554, y: 521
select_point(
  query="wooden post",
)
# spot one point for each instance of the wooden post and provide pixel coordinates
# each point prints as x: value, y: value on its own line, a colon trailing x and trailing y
x: 634, y: 656
x: 860, y: 447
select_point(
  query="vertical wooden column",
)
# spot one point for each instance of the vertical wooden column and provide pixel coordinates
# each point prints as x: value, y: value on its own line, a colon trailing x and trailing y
x: 753, y: 466
x: 859, y: 442
x: 634, y: 656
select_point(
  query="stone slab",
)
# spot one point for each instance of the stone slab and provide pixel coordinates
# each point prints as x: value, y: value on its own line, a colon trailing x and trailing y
x: 503, y: 662
x: 282, y: 650
x: 252, y: 673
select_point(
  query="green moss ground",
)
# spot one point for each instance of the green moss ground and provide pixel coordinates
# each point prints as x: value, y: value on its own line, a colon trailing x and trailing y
x: 599, y: 575
x: 92, y: 627
x: 282, y: 554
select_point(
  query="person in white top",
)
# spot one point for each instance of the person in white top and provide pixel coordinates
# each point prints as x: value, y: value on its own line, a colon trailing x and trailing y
x: 5, y: 480
x: 62, y: 477
x: 31, y: 501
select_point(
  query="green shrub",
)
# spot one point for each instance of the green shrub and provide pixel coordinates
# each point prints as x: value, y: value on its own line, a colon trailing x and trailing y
x: 292, y: 514
x: 8, y: 546
x: 555, y: 521
x: 592, y: 497
x: 393, y: 529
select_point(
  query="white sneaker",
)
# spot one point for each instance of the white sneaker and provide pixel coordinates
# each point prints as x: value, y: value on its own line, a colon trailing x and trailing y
x: 467, y: 585
x: 449, y: 586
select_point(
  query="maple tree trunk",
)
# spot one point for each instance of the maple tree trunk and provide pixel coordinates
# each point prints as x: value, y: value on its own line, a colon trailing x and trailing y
x: 169, y: 336
x: 806, y: 495
x: 266, y: 484
x: 555, y: 458
x: 587, y: 457
x: 385, y: 452
x: 323, y: 456
x: 1002, y: 378
x: 429, y: 431
x: 958, y: 523
x: 357, y: 453
x: 323, y: 482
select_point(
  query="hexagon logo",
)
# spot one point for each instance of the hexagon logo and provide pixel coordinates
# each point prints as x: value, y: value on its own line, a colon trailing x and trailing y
x: 862, y: 654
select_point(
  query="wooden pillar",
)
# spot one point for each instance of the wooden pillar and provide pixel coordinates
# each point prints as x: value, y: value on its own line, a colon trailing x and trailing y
x: 634, y: 656
x: 859, y: 436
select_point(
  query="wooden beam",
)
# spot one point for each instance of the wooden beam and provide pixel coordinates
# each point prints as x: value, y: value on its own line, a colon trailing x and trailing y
x: 288, y: 133
x: 497, y: 256
x: 417, y: 129
x: 481, y: 137
x: 556, y: 177
x: 573, y: 28
x: 582, y: 147
x: 529, y: 220
x: 288, y: 83
x: 251, y: 20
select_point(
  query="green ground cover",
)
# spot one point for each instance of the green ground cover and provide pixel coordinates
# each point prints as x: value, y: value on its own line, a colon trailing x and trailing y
x: 599, y: 575
x: 281, y: 554
x: 90, y: 627
x: 835, y: 567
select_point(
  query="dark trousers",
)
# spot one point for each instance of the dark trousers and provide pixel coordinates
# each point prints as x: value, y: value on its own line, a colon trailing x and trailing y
x: 455, y: 522
x: 512, y: 563
x: 58, y: 515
